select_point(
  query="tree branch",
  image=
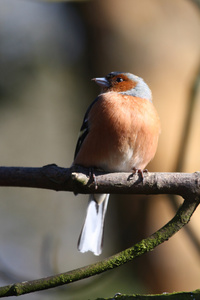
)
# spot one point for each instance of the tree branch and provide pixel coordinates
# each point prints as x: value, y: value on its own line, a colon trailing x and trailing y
x: 181, y: 218
x: 76, y: 179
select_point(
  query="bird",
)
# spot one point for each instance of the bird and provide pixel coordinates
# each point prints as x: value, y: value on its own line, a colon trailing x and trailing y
x: 119, y: 133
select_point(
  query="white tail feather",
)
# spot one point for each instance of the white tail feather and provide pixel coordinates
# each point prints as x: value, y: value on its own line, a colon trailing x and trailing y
x: 91, y: 236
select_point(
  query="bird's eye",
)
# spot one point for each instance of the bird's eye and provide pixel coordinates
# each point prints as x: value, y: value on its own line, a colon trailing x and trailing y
x: 119, y: 79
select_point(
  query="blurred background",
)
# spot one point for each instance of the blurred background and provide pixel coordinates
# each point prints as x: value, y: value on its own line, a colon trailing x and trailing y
x: 48, y: 54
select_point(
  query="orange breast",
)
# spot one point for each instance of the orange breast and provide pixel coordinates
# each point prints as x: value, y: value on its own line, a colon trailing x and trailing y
x: 123, y: 134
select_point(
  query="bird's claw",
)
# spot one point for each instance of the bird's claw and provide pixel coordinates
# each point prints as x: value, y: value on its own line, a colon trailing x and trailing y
x: 93, y: 178
x: 138, y: 172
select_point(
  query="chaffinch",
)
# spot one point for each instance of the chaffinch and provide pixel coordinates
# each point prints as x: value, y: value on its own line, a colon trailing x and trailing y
x: 120, y: 132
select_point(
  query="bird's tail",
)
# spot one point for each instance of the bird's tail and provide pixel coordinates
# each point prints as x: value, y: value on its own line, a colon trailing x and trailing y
x: 91, y: 237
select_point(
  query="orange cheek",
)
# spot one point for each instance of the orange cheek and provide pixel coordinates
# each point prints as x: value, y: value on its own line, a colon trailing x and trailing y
x: 123, y: 86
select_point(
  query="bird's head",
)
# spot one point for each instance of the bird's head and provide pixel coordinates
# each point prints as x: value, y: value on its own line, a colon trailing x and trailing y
x: 124, y: 83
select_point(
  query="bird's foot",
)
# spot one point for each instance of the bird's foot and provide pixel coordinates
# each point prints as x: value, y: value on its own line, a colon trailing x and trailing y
x: 138, y: 172
x: 93, y: 178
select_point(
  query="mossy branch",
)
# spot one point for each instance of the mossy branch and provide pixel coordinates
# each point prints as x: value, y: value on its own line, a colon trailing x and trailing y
x: 53, y: 177
x: 194, y: 295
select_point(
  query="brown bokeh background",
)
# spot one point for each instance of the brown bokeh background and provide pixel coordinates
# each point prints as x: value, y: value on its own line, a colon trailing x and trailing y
x: 48, y: 54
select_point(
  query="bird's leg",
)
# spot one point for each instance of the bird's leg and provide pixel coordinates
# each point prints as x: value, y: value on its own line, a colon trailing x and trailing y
x: 93, y: 178
x: 139, y: 172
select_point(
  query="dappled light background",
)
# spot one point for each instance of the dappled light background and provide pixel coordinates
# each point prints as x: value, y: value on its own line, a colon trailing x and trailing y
x: 48, y: 54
